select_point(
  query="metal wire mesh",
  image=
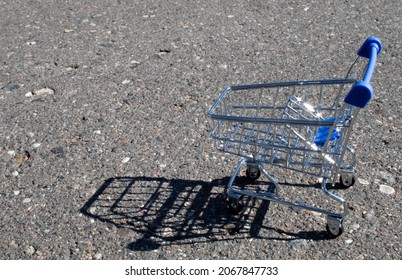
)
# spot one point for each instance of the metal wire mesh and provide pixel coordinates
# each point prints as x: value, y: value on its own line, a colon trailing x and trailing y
x: 277, y: 123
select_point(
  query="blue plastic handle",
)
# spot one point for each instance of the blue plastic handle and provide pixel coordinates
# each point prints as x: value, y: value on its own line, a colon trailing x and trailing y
x: 362, y: 92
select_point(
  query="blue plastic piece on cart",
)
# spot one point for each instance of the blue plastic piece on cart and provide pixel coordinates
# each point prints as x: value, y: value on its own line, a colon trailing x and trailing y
x: 360, y: 94
x: 322, y: 134
x: 364, y: 50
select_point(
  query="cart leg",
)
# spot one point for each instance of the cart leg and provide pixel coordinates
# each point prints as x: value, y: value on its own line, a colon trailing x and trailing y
x: 346, y: 172
x: 234, y: 175
x: 271, y: 178
x: 254, y: 170
x: 235, y: 203
x: 335, y: 197
x: 335, y: 221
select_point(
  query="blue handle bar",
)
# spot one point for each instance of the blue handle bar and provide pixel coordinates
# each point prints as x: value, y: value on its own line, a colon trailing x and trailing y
x: 362, y: 92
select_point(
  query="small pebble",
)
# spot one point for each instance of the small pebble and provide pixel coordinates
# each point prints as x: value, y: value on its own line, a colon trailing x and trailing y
x: 92, y: 210
x: 26, y: 200
x: 247, y: 226
x: 22, y: 157
x: 126, y: 159
x: 348, y: 241
x: 369, y: 215
x: 15, y: 173
x: 183, y: 255
x: 387, y: 189
x: 125, y: 82
x: 30, y: 250
x: 167, y: 232
x: 59, y: 151
x: 13, y: 244
x: 36, y: 145
x: 363, y: 181
x: 98, y: 256
x: 355, y: 226
x: 11, y: 153
x: 44, y: 91
x: 317, y: 214
x: 30, y: 134
x: 29, y: 94
x: 17, y: 192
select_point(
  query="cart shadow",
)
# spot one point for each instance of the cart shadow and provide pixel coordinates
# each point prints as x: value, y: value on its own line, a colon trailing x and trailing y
x: 160, y: 212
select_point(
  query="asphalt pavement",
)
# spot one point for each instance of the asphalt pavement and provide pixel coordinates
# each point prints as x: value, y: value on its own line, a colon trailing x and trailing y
x: 105, y: 148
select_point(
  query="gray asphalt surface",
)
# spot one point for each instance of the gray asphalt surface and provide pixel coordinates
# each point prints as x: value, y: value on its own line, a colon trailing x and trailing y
x: 104, y: 138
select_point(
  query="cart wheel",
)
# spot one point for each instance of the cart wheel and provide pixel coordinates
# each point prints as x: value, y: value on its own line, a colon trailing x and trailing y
x: 334, y: 226
x: 253, y: 173
x: 347, y: 180
x: 235, y: 205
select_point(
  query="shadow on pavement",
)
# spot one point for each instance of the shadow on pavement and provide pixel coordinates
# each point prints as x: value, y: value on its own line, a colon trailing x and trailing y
x: 163, y: 211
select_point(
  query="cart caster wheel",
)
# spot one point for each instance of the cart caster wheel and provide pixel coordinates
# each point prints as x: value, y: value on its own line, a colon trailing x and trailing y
x: 253, y: 173
x: 347, y: 180
x: 235, y: 205
x: 334, y: 226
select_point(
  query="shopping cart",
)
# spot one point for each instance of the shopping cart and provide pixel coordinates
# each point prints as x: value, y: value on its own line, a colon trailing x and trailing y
x: 302, y: 126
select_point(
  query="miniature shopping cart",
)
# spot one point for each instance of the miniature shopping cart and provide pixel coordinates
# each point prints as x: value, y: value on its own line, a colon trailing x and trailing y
x: 302, y: 126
